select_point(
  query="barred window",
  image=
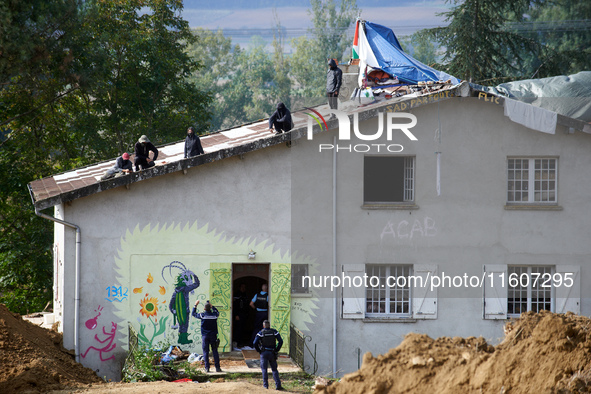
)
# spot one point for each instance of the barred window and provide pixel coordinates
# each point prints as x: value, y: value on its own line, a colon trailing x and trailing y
x: 388, y: 179
x: 298, y: 271
x: 529, y: 289
x: 383, y: 295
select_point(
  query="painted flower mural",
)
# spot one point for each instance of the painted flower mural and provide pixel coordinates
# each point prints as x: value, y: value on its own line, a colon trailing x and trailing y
x: 149, y: 309
x: 149, y: 306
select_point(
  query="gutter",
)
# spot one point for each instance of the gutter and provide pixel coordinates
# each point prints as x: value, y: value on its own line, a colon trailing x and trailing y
x: 334, y: 255
x: 77, y: 276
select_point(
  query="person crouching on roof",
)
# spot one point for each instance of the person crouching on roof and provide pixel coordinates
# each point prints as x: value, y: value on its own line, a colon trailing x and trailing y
x: 280, y: 120
x: 142, y: 154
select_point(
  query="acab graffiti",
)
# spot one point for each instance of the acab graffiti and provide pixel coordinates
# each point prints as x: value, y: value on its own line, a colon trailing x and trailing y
x: 405, y: 230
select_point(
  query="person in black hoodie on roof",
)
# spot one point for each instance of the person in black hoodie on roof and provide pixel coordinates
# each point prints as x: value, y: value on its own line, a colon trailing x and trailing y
x: 334, y: 79
x: 192, y: 144
x: 143, y: 147
x: 280, y: 120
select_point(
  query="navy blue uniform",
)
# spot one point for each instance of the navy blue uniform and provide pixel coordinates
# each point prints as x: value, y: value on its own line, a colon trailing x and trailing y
x: 209, y: 334
x: 261, y: 304
x: 268, y: 342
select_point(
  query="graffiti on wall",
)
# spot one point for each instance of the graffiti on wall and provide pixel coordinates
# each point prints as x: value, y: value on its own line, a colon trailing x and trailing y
x: 407, y: 230
x: 185, y: 284
x: 107, y: 344
x: 116, y: 293
x: 151, y: 325
x: 169, y: 266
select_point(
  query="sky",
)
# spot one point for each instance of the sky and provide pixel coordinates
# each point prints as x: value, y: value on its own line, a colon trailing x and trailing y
x: 241, y: 24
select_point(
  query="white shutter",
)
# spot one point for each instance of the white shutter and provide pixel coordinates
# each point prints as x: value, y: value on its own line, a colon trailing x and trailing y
x: 495, y: 291
x: 424, y: 300
x: 568, y: 299
x: 353, y: 297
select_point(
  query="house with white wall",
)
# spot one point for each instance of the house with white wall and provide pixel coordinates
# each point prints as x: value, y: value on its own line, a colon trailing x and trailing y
x: 444, y: 212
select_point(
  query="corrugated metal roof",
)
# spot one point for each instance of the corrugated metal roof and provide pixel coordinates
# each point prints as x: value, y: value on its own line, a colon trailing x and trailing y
x: 81, y: 182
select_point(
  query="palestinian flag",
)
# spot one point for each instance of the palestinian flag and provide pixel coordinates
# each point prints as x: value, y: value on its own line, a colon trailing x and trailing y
x: 355, y: 54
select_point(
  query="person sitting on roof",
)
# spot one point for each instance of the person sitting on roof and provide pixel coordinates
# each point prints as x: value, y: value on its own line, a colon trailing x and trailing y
x: 122, y: 166
x: 192, y: 144
x: 142, y: 154
x: 280, y: 120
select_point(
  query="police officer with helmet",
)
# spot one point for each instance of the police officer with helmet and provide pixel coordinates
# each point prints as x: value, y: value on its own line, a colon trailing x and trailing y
x: 268, y: 342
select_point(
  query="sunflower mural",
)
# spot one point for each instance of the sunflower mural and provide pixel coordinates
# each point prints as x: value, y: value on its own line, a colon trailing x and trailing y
x: 162, y: 289
x: 149, y: 309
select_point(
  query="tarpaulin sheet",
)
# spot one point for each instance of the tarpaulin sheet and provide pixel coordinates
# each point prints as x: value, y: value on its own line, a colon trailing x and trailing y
x: 566, y: 95
x: 396, y: 62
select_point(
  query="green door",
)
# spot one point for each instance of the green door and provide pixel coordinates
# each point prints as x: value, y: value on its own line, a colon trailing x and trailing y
x: 281, y: 301
x: 220, y: 293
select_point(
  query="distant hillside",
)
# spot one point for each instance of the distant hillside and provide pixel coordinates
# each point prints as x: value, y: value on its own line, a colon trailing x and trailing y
x: 253, y: 4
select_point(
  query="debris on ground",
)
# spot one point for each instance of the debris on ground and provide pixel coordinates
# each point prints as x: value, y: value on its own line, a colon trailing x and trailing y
x: 542, y: 352
x: 33, y: 359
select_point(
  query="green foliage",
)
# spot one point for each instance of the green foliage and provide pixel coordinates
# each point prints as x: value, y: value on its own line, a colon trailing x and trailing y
x: 329, y: 40
x: 139, y: 72
x: 561, y: 28
x: 145, y: 367
x: 478, y: 48
x: 420, y: 47
x: 80, y: 81
x: 496, y: 41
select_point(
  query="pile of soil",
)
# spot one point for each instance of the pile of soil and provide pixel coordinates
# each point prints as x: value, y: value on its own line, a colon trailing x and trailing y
x: 542, y: 352
x: 33, y: 359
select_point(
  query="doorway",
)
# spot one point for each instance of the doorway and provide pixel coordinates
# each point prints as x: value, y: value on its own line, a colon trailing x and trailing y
x: 247, y: 280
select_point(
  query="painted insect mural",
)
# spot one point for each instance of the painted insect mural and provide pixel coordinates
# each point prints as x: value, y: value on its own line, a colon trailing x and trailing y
x: 185, y: 283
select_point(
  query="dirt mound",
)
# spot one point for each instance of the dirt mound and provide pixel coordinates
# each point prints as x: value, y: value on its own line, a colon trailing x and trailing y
x: 32, y: 358
x: 542, y: 352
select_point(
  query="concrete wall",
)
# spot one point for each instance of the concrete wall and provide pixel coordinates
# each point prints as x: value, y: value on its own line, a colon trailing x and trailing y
x: 279, y: 202
x: 215, y: 213
x: 459, y: 231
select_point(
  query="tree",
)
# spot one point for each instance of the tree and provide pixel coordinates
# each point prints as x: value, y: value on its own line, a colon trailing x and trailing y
x: 420, y: 47
x: 140, y: 73
x: 80, y: 81
x: 561, y: 28
x: 330, y: 40
x: 478, y: 47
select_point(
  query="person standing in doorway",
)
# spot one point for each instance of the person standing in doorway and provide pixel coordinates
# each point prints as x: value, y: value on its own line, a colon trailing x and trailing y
x: 241, y: 316
x: 260, y: 303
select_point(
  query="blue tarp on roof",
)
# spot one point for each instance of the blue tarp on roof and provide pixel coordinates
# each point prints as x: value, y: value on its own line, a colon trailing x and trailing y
x: 393, y: 60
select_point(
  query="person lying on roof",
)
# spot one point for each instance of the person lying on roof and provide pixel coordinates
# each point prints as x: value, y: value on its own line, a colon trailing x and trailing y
x: 280, y: 120
x: 122, y: 166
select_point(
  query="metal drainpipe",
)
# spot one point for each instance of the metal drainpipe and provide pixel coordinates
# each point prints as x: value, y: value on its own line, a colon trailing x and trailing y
x: 334, y: 255
x: 77, y: 280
